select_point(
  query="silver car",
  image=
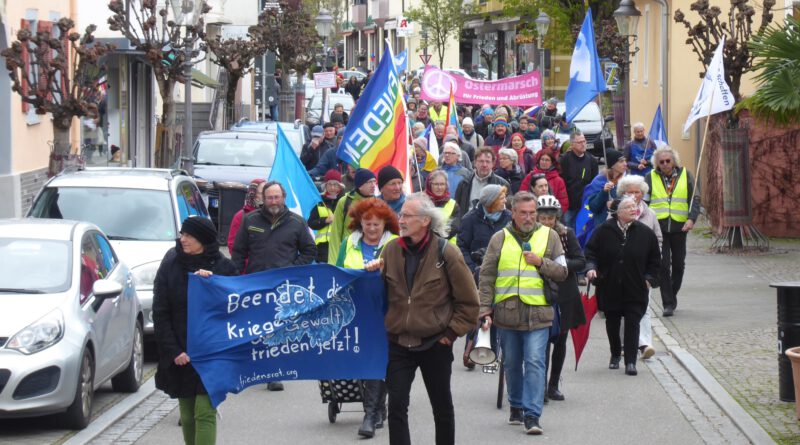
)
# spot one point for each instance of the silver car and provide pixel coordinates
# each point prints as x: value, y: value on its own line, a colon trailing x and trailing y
x: 140, y: 209
x: 69, y: 320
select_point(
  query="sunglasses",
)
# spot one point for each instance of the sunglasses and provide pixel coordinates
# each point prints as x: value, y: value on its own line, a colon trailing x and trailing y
x: 665, y: 161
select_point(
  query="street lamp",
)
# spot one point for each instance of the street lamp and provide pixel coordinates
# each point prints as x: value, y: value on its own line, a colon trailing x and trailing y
x: 542, y: 25
x: 324, y: 21
x: 187, y: 14
x: 627, y: 17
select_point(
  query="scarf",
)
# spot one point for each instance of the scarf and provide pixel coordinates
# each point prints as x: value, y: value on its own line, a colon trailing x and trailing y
x: 250, y: 197
x: 493, y: 217
x: 520, y: 235
x: 438, y: 200
x: 405, y: 243
x: 193, y: 263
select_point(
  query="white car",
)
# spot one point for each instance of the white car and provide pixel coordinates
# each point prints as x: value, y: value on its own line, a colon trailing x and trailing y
x: 69, y: 320
x: 140, y: 210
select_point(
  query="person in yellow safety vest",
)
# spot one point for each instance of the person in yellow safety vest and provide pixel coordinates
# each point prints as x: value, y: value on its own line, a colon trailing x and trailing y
x: 365, y: 183
x: 672, y: 198
x: 437, y: 112
x: 373, y: 224
x: 321, y: 216
x: 515, y: 296
x: 437, y: 189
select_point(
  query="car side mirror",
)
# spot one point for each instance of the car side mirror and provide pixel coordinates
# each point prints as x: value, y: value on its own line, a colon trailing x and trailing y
x: 104, y: 290
x: 608, y: 118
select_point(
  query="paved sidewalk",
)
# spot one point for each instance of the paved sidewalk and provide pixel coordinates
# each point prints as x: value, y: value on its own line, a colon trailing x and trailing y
x: 727, y: 319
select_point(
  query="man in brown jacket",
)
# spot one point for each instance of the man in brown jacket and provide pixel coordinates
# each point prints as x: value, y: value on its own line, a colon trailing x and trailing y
x: 432, y: 300
x: 515, y: 296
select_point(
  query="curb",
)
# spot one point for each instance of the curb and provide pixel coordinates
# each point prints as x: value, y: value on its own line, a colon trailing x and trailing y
x: 746, y: 424
x: 114, y: 413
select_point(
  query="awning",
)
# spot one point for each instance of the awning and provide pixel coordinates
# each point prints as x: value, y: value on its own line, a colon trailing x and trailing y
x: 201, y: 79
x: 472, y: 24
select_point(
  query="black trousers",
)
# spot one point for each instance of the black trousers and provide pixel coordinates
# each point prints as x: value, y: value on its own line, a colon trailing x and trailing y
x: 673, y: 263
x: 555, y: 361
x: 436, y: 364
x: 631, y: 334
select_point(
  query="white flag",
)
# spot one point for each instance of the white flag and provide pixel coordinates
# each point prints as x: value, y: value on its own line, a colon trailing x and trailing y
x: 715, y: 95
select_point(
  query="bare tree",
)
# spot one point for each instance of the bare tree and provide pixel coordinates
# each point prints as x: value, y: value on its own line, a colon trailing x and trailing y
x: 235, y: 56
x: 46, y: 75
x: 290, y: 33
x: 151, y: 31
x: 443, y: 19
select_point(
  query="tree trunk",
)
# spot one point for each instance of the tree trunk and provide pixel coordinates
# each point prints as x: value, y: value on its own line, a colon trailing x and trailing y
x: 166, y: 152
x: 61, y: 156
x: 286, y: 99
x: 230, y: 100
x: 300, y: 99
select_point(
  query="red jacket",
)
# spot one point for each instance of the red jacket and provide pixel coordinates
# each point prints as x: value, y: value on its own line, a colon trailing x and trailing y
x: 557, y: 185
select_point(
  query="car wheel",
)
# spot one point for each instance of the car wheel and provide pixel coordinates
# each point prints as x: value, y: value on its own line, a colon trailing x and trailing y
x: 130, y: 379
x: 79, y: 412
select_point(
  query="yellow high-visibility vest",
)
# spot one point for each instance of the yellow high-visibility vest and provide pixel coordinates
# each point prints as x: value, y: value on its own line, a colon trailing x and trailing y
x: 353, y: 258
x: 515, y: 276
x: 666, y: 206
x: 447, y: 211
x: 323, y: 234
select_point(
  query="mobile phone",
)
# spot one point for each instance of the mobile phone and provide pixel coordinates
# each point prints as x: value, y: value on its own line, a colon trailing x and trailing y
x: 526, y: 247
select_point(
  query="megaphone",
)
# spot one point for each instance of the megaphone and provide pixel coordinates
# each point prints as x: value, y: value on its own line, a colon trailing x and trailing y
x: 482, y: 353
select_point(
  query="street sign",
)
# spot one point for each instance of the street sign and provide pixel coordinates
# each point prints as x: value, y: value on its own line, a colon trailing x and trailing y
x: 404, y: 27
x: 425, y: 58
x: 325, y: 80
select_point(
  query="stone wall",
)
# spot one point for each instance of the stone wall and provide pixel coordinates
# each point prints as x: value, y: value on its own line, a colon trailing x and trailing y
x: 30, y: 184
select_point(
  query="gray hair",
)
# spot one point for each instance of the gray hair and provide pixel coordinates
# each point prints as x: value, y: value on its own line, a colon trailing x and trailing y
x: 638, y: 125
x: 438, y: 124
x: 632, y: 180
x: 572, y: 135
x: 453, y: 146
x: 436, y: 173
x: 439, y: 224
x: 666, y: 149
x: 510, y: 153
x: 522, y: 197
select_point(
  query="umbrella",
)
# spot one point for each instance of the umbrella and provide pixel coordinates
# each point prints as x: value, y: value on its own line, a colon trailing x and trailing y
x: 580, y: 335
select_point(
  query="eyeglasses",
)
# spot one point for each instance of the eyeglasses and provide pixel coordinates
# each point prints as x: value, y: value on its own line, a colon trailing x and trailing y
x: 438, y: 184
x: 449, y: 153
x: 407, y: 215
x: 665, y: 161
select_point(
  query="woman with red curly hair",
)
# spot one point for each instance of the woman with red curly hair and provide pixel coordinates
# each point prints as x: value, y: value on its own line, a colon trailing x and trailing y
x: 546, y: 163
x: 373, y: 224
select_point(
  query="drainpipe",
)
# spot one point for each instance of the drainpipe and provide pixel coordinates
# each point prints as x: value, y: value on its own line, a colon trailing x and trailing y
x: 664, y: 61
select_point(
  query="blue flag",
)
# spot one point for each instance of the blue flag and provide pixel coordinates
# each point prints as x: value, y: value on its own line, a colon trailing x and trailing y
x: 586, y: 79
x: 301, y: 193
x: 658, y: 133
x: 315, y: 322
x: 401, y: 61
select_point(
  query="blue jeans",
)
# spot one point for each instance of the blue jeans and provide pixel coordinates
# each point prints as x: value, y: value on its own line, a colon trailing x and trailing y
x: 524, y: 361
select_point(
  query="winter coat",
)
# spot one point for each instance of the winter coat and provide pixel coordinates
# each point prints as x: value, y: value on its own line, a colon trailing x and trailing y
x: 648, y: 217
x: 170, y: 316
x: 635, y: 151
x: 623, y: 262
x: 512, y: 313
x: 496, y: 141
x: 513, y: 177
x: 476, y: 231
x: 310, y: 157
x: 236, y: 222
x: 464, y: 190
x: 577, y: 174
x: 569, y: 297
x: 455, y: 174
x: 558, y: 187
x: 436, y: 305
x: 270, y: 242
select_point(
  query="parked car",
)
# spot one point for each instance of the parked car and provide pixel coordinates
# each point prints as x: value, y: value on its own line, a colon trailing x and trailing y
x: 140, y: 210
x: 347, y: 74
x: 297, y: 133
x: 314, y: 107
x: 69, y: 320
x: 591, y: 123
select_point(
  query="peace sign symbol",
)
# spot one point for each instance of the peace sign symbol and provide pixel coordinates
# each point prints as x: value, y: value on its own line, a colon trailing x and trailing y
x: 436, y: 84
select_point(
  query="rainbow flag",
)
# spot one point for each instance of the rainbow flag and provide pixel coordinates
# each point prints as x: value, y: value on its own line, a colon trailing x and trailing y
x: 377, y: 133
x: 452, y: 115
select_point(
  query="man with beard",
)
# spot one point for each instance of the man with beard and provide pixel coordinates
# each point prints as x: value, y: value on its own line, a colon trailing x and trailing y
x: 639, y: 151
x: 500, y: 136
x: 422, y: 114
x: 469, y: 190
x: 548, y: 118
x: 272, y: 237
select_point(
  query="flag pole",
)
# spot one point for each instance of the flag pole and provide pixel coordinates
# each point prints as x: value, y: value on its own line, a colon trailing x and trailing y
x: 702, y: 149
x: 602, y: 139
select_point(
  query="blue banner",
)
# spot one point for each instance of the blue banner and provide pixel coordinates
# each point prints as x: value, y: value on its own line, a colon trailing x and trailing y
x: 315, y: 322
x: 657, y: 131
x: 586, y: 79
x: 301, y: 193
x: 401, y: 61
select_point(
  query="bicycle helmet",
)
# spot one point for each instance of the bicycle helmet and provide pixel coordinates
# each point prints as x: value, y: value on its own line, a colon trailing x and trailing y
x: 547, y: 202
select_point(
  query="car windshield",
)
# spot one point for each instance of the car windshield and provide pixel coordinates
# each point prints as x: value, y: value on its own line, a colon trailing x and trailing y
x: 237, y: 152
x: 292, y: 133
x: 34, y: 266
x: 123, y: 214
x: 345, y: 99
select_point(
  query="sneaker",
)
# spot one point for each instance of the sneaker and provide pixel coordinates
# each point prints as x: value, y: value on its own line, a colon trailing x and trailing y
x: 647, y: 351
x: 274, y: 386
x: 516, y: 416
x: 553, y: 393
x: 532, y: 426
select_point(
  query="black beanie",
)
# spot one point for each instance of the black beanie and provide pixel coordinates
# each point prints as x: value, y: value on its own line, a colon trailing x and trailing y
x: 387, y: 174
x: 362, y: 176
x: 200, y: 228
x: 612, y: 157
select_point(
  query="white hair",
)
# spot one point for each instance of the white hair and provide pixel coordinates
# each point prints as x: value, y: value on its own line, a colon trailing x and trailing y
x: 632, y: 180
x: 638, y: 125
x: 508, y: 152
x: 439, y: 224
x: 452, y: 145
x: 666, y: 149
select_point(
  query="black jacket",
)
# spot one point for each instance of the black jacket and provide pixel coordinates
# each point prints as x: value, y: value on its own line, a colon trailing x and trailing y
x: 266, y: 242
x: 464, y: 189
x: 476, y: 231
x: 577, y: 173
x: 569, y: 298
x: 623, y: 263
x: 513, y: 177
x: 310, y: 157
x: 170, y: 318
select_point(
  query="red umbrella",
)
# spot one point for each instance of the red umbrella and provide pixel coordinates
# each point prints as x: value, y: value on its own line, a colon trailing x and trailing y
x: 580, y: 335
